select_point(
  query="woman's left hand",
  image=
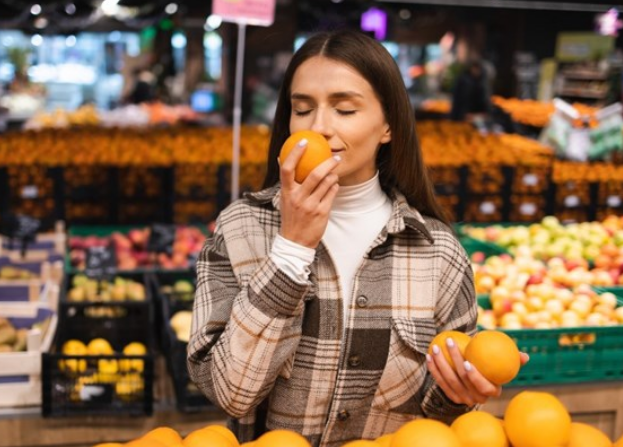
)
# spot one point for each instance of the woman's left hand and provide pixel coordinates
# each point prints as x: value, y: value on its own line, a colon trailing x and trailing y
x: 465, y: 385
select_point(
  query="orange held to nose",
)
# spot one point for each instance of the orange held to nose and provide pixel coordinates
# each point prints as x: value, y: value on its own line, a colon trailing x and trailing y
x: 317, y: 151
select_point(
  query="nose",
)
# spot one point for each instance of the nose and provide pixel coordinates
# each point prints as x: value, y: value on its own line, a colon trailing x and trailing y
x: 322, y: 122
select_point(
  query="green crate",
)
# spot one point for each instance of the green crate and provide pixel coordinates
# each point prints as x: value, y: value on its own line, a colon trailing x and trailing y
x: 472, y: 246
x: 568, y: 355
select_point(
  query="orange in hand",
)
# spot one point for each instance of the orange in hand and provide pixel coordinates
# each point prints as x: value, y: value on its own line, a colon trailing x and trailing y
x: 461, y: 340
x: 317, y: 151
x: 495, y: 355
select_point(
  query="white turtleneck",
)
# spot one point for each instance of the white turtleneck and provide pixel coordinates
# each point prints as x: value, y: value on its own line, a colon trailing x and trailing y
x: 358, y: 215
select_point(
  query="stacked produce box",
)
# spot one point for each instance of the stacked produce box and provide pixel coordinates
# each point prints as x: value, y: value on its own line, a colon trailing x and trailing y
x: 29, y: 287
x: 558, y: 291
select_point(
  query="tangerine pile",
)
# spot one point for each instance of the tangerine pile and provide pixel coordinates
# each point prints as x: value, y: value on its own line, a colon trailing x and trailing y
x: 531, y: 419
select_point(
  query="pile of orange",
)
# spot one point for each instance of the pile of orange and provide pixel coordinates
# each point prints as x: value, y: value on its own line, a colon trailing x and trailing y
x: 538, y: 113
x: 531, y: 419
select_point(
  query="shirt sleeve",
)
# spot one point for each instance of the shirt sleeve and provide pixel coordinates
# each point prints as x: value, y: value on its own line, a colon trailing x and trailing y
x: 247, y: 322
x: 292, y: 258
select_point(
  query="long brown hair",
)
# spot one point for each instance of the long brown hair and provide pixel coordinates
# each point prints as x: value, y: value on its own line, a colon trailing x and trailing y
x: 399, y: 161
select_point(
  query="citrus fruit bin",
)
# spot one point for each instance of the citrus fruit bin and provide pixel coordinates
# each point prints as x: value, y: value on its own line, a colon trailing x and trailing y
x: 96, y: 383
x: 568, y: 355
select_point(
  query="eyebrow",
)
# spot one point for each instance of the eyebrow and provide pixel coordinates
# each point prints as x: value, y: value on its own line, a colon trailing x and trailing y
x: 337, y: 95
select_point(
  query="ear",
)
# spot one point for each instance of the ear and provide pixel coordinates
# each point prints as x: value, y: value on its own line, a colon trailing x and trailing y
x: 387, y: 135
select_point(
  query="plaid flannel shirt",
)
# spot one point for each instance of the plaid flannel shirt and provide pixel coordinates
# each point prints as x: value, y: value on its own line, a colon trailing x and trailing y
x: 273, y: 353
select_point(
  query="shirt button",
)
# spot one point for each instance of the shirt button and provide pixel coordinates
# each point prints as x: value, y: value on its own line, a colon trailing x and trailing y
x: 362, y: 301
x: 354, y: 361
x: 343, y: 415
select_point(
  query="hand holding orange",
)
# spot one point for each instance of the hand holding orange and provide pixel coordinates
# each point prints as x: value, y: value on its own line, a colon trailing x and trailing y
x: 317, y: 151
x: 461, y: 340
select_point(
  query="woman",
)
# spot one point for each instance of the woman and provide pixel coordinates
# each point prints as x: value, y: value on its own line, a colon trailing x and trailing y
x: 316, y: 302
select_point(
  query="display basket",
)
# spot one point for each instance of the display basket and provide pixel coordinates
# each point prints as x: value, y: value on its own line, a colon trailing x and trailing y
x: 115, y: 384
x: 20, y: 372
x: 118, y: 321
x: 568, y: 355
x: 189, y: 398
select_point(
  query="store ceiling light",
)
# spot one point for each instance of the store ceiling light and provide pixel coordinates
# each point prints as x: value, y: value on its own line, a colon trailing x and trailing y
x: 36, y: 40
x: 171, y: 8
x: 110, y: 7
x: 70, y: 9
x: 41, y: 22
x: 213, y: 22
x: 35, y: 9
x: 515, y: 4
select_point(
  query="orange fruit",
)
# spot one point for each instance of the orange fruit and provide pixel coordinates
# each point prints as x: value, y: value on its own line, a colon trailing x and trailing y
x: 537, y: 419
x: 317, y: 151
x: 109, y: 444
x: 281, y: 438
x: 461, y: 339
x: 619, y: 443
x: 425, y: 433
x: 385, y: 440
x: 248, y: 444
x: 226, y: 432
x: 495, y: 356
x: 165, y: 435
x: 207, y: 437
x: 478, y: 429
x: 99, y: 346
x: 140, y: 442
x: 583, y: 435
x: 361, y: 443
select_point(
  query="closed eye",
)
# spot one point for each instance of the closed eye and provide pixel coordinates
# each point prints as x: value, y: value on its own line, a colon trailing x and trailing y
x: 301, y: 112
x: 346, y: 112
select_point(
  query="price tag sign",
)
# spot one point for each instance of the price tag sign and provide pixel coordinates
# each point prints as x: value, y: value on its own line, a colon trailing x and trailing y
x: 101, y: 261
x: 20, y: 227
x: 530, y: 180
x: 161, y: 238
x: 252, y: 12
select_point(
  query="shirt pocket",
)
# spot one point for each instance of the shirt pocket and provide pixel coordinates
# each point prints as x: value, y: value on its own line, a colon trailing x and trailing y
x: 405, y: 369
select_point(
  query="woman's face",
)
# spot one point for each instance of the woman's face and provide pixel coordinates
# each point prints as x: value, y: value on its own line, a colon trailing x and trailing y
x: 333, y: 99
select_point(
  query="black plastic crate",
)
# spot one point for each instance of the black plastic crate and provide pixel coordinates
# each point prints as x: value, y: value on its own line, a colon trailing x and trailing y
x: 118, y: 321
x: 189, y: 398
x: 114, y: 384
x: 89, y: 385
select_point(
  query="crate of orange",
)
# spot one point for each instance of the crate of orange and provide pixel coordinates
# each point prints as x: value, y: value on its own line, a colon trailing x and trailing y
x: 102, y: 360
x: 567, y: 354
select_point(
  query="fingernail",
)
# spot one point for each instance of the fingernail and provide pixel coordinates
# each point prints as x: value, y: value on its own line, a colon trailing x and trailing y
x: 450, y: 342
x: 302, y: 143
x: 337, y: 157
x: 436, y: 349
x: 429, y: 358
x: 467, y: 366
